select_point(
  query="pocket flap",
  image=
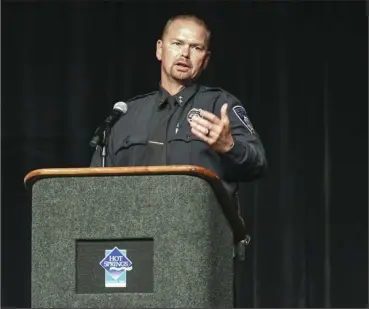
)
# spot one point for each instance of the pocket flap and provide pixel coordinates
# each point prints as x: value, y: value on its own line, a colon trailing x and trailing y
x: 131, y: 140
x: 185, y: 137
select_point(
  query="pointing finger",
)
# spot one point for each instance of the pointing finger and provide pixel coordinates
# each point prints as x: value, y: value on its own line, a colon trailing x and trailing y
x: 223, y: 111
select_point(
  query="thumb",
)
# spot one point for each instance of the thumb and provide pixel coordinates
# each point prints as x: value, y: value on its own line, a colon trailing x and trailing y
x: 223, y: 112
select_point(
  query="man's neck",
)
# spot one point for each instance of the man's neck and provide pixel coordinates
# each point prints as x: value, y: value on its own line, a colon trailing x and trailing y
x: 172, y: 87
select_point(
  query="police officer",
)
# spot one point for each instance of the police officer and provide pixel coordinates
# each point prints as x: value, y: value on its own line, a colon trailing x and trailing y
x: 185, y: 122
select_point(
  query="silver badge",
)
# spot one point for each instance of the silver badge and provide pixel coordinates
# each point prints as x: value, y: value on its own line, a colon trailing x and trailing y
x: 193, y: 113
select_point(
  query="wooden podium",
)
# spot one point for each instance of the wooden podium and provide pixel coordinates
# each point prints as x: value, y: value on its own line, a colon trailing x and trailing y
x: 132, y: 237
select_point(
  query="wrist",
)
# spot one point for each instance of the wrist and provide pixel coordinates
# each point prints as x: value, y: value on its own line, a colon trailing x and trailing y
x: 230, y: 146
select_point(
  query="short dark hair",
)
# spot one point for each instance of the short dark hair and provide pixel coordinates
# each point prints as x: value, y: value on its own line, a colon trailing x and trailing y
x: 191, y: 17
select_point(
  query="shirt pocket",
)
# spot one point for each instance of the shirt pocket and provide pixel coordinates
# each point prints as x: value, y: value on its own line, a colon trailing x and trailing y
x: 186, y: 148
x: 131, y: 150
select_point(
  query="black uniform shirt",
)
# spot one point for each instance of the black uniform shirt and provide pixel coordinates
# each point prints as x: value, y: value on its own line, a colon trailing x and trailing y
x: 156, y: 131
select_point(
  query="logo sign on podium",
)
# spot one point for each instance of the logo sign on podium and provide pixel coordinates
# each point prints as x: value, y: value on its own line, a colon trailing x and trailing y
x: 103, y: 271
x: 116, y: 264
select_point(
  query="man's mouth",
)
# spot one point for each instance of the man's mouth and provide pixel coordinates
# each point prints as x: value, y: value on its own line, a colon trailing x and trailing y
x: 183, y: 64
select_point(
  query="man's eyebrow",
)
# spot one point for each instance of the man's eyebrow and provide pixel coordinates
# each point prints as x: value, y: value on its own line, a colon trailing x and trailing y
x: 192, y: 44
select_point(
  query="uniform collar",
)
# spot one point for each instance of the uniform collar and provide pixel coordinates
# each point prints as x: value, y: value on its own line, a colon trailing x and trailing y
x: 181, y: 97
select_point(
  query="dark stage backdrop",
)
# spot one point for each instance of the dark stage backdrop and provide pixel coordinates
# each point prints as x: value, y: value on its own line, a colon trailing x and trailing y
x: 300, y: 69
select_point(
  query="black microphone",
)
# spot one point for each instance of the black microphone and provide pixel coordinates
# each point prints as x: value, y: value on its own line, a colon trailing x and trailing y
x: 119, y: 109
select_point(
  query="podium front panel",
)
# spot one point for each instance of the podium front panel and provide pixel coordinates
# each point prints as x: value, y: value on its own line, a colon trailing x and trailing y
x: 129, y: 242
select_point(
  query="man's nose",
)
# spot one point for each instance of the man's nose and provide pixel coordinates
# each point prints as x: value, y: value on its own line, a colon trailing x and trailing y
x: 185, y: 51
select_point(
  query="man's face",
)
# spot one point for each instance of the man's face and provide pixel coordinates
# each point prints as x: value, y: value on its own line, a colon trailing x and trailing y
x: 183, y: 52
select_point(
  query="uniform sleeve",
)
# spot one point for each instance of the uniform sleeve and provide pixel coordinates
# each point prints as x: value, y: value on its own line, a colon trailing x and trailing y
x: 246, y: 161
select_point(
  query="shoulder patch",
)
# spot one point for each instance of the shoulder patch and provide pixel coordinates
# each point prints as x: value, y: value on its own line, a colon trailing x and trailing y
x: 141, y: 96
x: 242, y: 116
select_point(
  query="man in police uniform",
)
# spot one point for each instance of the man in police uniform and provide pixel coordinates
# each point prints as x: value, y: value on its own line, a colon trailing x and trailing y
x: 184, y: 122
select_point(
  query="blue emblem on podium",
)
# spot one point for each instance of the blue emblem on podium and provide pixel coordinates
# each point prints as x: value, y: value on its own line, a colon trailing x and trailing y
x: 116, y: 264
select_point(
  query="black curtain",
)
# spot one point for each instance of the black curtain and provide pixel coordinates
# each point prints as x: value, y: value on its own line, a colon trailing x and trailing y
x: 300, y: 69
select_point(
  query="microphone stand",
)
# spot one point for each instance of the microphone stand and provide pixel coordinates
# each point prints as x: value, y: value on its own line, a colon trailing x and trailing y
x: 101, y: 136
x: 104, y: 147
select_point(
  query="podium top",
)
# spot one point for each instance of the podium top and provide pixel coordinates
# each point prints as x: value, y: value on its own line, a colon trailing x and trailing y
x: 192, y: 170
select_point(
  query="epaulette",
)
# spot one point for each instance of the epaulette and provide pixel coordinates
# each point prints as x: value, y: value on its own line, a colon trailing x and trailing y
x: 219, y: 89
x: 206, y: 88
x: 141, y: 96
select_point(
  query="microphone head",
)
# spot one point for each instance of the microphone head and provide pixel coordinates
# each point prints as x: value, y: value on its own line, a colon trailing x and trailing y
x: 121, y: 106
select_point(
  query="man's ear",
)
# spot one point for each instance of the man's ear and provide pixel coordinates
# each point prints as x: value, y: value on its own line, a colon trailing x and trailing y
x: 159, y: 48
x: 206, y: 60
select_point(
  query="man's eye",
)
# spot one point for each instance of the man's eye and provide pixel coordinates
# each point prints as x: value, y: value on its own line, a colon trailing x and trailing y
x: 176, y: 43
